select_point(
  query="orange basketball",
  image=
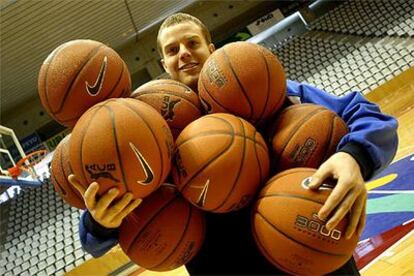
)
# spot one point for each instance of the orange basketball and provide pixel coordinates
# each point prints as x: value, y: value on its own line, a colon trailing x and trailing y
x: 244, y: 79
x: 79, y: 74
x: 175, y: 101
x: 60, y: 170
x: 123, y: 143
x: 164, y: 232
x: 288, y: 231
x: 219, y: 163
x: 305, y: 135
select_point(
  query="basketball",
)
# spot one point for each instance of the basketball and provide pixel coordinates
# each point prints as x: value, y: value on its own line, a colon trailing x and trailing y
x: 219, y: 162
x: 122, y: 143
x: 175, y: 101
x: 243, y: 79
x: 79, y: 74
x: 305, y: 135
x: 164, y: 232
x: 59, y: 171
x: 288, y: 232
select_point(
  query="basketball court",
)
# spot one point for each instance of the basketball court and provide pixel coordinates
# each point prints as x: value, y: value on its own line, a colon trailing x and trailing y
x: 337, y: 52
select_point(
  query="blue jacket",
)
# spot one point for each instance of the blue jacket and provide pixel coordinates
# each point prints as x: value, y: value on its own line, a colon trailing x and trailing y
x: 372, y: 140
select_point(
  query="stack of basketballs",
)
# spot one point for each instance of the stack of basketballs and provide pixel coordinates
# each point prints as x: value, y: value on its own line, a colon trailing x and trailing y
x: 219, y: 162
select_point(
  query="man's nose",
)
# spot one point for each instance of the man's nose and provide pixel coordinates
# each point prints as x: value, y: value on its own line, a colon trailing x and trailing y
x: 184, y: 52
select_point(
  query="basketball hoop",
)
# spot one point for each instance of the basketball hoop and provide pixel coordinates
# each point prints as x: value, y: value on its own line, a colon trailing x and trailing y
x: 27, y: 163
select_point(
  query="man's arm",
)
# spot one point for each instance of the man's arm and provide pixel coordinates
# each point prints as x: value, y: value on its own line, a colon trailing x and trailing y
x: 96, y: 239
x: 367, y: 149
x: 372, y: 139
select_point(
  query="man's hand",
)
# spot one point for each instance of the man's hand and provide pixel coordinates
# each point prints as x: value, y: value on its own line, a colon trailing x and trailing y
x: 349, y: 194
x: 105, y: 210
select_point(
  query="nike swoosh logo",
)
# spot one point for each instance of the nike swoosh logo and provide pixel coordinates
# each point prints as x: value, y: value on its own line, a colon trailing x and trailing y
x: 203, y: 195
x: 94, y: 89
x: 149, y: 175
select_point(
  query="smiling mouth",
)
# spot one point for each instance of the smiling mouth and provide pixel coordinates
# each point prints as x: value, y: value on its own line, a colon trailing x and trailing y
x: 188, y: 66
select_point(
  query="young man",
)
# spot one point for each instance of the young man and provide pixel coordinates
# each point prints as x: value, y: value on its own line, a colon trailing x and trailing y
x: 184, y: 44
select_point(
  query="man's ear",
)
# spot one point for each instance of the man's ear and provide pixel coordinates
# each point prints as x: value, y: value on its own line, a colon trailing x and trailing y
x: 211, y: 47
x: 163, y: 65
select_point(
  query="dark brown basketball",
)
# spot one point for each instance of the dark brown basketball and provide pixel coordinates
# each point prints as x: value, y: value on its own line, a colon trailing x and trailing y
x: 305, y: 135
x: 79, y: 74
x: 243, y: 79
x: 123, y: 143
x: 219, y: 163
x: 288, y: 232
x: 175, y: 101
x: 60, y: 170
x: 164, y: 232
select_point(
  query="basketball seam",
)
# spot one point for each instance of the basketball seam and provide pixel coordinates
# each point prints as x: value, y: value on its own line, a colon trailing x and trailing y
x: 48, y: 107
x: 287, y: 172
x: 81, y: 144
x: 151, y: 90
x: 184, y: 186
x: 172, y: 82
x: 62, y: 191
x: 290, y: 196
x: 257, y: 157
x: 117, y: 83
x: 64, y: 173
x: 329, y: 142
x: 134, y: 240
x: 265, y: 252
x: 293, y: 132
x: 212, y: 98
x: 268, y: 88
x: 296, y: 241
x: 189, y: 217
x: 212, y: 133
x: 67, y: 92
x: 124, y: 102
x: 227, y: 59
x: 118, y: 153
x: 167, y: 93
x: 235, y: 182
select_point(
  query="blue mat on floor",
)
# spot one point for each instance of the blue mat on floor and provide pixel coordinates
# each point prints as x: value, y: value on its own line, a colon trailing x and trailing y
x: 391, y: 202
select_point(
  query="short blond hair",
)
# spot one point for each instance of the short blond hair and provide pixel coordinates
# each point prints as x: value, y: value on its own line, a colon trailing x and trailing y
x: 178, y: 18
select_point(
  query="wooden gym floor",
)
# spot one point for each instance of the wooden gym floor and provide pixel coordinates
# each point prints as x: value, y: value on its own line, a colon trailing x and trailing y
x: 391, y: 256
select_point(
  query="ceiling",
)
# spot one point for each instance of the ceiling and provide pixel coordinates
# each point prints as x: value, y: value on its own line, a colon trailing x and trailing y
x: 31, y: 29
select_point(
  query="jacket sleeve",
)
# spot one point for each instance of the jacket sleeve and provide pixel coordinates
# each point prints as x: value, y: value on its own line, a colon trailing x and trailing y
x: 96, y: 239
x: 372, y: 138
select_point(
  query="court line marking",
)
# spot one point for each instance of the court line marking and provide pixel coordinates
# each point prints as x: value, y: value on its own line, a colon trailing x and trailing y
x: 391, y: 192
x: 387, y: 251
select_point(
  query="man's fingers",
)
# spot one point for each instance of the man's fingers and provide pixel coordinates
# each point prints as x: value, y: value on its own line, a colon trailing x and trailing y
x: 75, y: 183
x: 343, y: 208
x: 104, y: 201
x: 334, y: 199
x: 319, y: 176
x: 134, y: 204
x: 90, y: 195
x: 119, y: 206
x: 362, y: 220
x: 355, y: 215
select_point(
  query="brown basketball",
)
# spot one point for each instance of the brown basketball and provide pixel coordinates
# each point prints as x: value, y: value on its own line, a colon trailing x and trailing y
x: 60, y: 170
x: 244, y: 79
x: 123, y: 143
x: 164, y: 232
x: 305, y: 135
x: 219, y: 163
x: 288, y: 232
x: 79, y: 74
x: 175, y: 101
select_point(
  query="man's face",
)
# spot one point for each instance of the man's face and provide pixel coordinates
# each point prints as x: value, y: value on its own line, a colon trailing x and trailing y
x: 184, y: 50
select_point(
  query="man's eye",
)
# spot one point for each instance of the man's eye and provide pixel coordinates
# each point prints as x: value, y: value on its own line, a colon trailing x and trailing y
x: 192, y: 43
x: 172, y: 50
